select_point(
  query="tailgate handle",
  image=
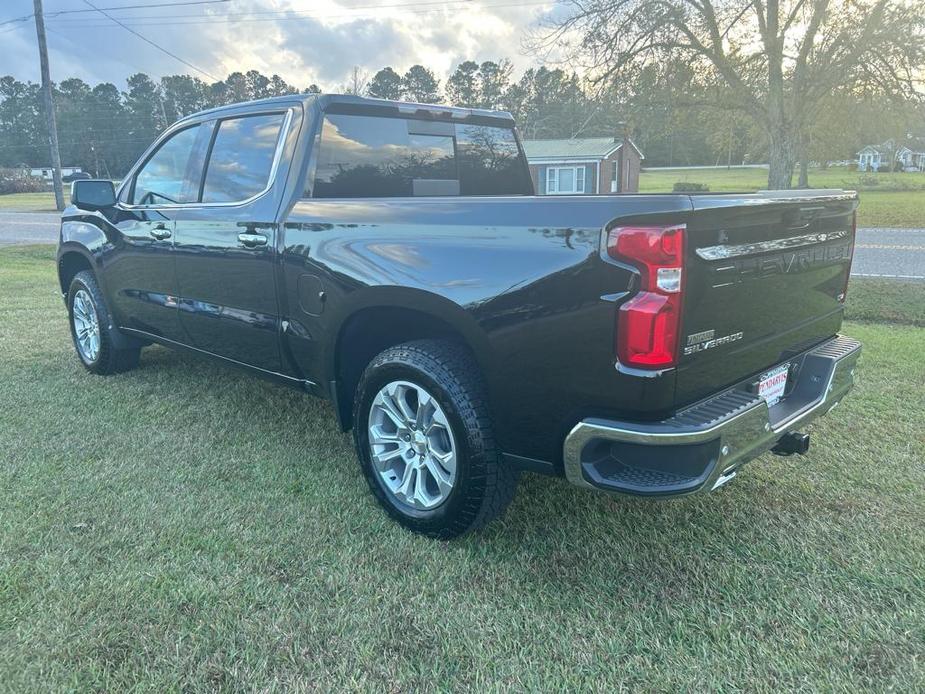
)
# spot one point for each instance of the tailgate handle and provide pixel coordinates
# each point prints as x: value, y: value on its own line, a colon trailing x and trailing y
x: 803, y: 217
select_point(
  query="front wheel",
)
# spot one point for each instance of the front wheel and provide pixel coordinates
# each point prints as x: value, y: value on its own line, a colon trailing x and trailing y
x: 90, y: 328
x: 424, y: 438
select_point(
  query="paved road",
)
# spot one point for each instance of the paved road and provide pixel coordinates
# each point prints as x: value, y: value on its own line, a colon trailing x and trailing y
x: 28, y: 227
x: 890, y: 253
x: 879, y: 252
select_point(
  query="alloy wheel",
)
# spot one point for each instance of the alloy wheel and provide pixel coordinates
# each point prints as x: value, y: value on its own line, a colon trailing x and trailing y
x: 412, y: 446
x: 86, y: 326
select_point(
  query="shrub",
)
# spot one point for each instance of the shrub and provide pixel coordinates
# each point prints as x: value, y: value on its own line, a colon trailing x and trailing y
x: 17, y: 181
x: 690, y: 187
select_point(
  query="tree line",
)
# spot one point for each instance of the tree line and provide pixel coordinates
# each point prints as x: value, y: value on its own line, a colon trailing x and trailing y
x: 779, y: 65
x: 103, y: 129
x: 677, y: 114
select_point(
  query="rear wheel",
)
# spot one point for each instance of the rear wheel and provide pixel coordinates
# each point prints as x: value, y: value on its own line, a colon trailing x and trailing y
x: 90, y: 328
x: 424, y: 438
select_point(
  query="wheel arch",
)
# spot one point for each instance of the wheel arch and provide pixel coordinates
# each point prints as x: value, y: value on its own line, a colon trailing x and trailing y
x: 394, y: 318
x: 72, y: 258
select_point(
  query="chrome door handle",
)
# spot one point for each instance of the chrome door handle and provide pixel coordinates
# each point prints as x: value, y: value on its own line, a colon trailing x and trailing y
x: 249, y: 240
x: 160, y: 232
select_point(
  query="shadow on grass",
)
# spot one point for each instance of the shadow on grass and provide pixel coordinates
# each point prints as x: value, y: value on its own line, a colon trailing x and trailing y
x: 557, y: 537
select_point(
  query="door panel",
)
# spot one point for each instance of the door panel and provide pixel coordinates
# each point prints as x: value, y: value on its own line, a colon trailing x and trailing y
x: 226, y: 247
x: 140, y: 275
x: 228, y: 296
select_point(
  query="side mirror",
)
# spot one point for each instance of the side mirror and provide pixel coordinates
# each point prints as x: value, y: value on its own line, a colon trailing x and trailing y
x: 88, y: 194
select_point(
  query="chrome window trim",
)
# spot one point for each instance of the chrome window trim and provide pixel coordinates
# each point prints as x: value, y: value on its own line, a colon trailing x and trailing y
x: 274, y: 167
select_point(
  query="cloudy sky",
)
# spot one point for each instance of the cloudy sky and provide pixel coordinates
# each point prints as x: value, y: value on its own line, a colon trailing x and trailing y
x: 304, y: 41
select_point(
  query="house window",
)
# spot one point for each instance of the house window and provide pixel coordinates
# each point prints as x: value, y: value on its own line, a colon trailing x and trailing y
x: 565, y: 180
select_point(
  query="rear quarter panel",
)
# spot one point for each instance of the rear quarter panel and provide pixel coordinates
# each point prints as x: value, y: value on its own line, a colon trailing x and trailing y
x: 521, y: 279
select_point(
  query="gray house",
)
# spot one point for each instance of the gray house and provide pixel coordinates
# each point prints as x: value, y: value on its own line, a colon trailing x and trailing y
x: 583, y: 166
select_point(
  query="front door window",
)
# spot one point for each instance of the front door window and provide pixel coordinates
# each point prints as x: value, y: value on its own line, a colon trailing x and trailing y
x: 171, y: 175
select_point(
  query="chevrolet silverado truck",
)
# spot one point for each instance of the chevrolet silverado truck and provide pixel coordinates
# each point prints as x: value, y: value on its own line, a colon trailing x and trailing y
x: 393, y: 258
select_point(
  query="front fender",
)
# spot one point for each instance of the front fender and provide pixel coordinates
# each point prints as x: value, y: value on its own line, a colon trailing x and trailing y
x: 84, y: 239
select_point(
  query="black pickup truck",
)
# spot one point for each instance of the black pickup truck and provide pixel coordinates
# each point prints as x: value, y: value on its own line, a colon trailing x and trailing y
x: 393, y: 258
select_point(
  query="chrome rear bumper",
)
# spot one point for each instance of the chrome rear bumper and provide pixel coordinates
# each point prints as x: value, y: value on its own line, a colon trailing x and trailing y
x: 703, y: 446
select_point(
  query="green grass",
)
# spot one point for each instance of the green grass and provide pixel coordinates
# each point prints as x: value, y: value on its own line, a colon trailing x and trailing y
x: 184, y: 526
x: 887, y: 200
x: 879, y: 300
x: 28, y: 202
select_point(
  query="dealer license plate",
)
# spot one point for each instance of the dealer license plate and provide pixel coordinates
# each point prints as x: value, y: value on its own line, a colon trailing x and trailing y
x: 771, y: 385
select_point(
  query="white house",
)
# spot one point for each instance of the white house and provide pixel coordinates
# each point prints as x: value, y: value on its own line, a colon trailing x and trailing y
x: 45, y: 172
x: 882, y: 156
x: 910, y: 159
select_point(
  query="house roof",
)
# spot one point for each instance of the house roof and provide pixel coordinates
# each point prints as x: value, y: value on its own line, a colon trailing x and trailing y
x: 574, y: 148
x: 886, y: 149
x: 874, y: 149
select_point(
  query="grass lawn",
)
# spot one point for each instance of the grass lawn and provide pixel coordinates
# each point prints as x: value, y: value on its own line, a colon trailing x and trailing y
x: 185, y: 526
x: 29, y: 202
x: 897, y: 200
x: 887, y: 200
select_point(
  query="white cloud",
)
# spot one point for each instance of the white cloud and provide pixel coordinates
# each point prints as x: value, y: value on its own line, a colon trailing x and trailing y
x: 304, y: 42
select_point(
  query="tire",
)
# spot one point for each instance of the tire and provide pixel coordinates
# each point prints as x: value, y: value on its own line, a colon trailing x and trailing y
x: 98, y: 354
x: 445, y: 382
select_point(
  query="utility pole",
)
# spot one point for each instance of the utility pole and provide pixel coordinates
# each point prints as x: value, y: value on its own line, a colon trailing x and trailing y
x: 49, y: 105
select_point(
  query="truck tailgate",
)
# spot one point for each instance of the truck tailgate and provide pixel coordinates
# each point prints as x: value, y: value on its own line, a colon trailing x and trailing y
x: 765, y: 279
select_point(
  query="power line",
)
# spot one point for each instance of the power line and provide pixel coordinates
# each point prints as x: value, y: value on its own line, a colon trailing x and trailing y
x: 150, y: 42
x: 24, y: 18
x: 286, y: 14
x: 136, y: 7
x: 49, y: 15
x: 302, y: 16
x: 71, y: 41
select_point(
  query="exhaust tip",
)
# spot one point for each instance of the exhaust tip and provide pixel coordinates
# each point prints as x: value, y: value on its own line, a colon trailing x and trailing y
x: 790, y: 443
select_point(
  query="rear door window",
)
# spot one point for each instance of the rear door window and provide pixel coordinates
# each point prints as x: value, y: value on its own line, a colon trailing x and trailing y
x: 242, y: 157
x: 366, y: 156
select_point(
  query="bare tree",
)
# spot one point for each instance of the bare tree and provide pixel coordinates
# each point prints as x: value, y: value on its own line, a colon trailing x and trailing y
x: 779, y: 59
x: 356, y: 83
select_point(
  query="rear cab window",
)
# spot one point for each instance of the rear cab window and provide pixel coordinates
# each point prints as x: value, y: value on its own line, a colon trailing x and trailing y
x: 377, y: 156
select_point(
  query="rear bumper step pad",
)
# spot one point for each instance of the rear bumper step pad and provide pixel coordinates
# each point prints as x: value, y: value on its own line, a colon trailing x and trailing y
x: 701, y: 447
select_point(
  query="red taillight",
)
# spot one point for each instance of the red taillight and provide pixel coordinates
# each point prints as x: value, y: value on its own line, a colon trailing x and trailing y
x: 648, y: 325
